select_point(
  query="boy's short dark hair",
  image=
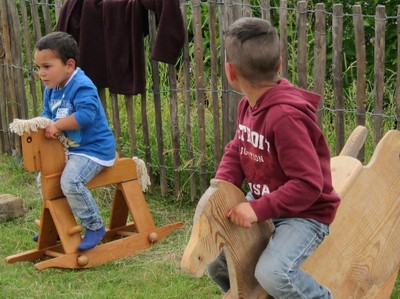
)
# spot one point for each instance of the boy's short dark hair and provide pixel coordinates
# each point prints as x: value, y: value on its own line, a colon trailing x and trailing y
x: 252, y: 46
x: 61, y: 43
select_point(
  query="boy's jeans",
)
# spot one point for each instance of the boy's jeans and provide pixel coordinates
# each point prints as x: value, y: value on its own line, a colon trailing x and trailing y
x: 77, y: 172
x: 278, y: 269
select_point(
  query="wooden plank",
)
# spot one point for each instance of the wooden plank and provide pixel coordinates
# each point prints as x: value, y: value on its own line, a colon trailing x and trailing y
x: 337, y: 24
x: 200, y: 95
x: 361, y: 85
x: 175, y: 132
x: 214, y: 84
x: 379, y: 71
x: 283, y: 38
x: 320, y: 56
x: 137, y: 205
x: 157, y: 110
x: 302, y: 44
x: 187, y: 106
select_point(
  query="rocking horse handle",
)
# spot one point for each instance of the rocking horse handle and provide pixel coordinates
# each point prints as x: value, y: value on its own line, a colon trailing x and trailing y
x: 355, y: 142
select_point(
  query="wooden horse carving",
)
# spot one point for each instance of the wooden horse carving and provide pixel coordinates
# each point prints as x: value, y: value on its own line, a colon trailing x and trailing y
x: 59, y: 234
x: 359, y: 259
x: 212, y: 231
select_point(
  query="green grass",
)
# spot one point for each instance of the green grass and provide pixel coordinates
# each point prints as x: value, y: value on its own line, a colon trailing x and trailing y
x: 154, y: 273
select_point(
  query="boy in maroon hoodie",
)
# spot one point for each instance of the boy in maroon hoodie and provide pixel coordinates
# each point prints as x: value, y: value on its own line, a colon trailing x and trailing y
x: 282, y: 154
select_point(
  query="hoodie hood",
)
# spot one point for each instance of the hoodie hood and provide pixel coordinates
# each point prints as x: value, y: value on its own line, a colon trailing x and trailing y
x: 284, y: 93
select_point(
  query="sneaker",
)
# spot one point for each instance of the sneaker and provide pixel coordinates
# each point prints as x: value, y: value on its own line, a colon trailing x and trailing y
x: 35, y: 237
x: 91, y: 238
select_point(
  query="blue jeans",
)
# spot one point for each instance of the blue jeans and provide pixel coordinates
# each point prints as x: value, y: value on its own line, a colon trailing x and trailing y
x: 278, y: 268
x: 77, y: 172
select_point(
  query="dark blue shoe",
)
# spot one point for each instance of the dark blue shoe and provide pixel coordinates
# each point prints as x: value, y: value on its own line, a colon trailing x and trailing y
x: 35, y: 237
x: 91, y: 238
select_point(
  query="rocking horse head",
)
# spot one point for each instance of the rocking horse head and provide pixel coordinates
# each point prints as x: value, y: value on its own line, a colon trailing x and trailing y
x: 39, y: 153
x: 212, y: 231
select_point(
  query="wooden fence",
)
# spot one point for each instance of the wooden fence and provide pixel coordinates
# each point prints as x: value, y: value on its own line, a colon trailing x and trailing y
x: 180, y: 125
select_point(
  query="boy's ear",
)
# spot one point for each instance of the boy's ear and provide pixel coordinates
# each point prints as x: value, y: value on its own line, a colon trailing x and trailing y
x: 279, y: 65
x: 71, y: 64
x: 230, y: 71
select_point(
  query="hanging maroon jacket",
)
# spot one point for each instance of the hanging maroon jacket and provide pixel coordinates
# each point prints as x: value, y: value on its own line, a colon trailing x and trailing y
x: 110, y: 34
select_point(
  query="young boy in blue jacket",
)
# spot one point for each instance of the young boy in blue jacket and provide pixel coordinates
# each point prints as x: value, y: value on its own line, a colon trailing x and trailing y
x: 71, y: 101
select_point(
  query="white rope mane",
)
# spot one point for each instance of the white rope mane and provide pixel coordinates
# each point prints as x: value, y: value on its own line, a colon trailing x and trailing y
x: 143, y: 176
x: 21, y: 126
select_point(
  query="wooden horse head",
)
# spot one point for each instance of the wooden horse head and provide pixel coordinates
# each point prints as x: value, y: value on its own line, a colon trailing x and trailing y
x: 212, y: 231
x: 41, y: 153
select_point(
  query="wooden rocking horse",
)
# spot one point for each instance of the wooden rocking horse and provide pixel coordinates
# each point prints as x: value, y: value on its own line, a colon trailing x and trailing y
x: 359, y: 259
x: 59, y: 234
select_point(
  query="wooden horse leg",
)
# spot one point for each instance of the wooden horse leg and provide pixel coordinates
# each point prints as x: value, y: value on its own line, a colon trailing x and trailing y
x: 65, y: 224
x: 57, y: 222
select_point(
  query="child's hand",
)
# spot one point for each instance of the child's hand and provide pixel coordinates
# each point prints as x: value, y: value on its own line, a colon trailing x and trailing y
x: 51, y: 131
x: 242, y: 215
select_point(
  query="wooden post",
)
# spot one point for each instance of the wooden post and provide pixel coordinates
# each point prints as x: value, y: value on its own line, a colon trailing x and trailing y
x: 157, y: 109
x: 187, y: 103
x: 398, y: 72
x: 175, y: 132
x: 320, y: 56
x: 214, y: 85
x: 283, y: 37
x: 131, y: 122
x: 361, y: 69
x: 302, y: 44
x: 379, y: 71
x: 337, y: 74
x: 199, y: 81
x: 29, y: 58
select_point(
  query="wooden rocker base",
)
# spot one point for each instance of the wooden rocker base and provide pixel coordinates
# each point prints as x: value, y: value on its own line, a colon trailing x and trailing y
x: 105, y: 252
x: 59, y: 234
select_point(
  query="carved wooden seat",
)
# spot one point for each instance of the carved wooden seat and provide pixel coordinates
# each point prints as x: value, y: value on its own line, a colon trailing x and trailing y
x: 359, y: 259
x: 59, y: 234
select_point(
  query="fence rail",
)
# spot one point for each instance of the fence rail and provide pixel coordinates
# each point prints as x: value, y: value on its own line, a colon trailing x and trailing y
x: 180, y: 125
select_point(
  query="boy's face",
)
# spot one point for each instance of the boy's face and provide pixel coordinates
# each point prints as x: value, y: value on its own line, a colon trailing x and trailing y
x: 51, y: 69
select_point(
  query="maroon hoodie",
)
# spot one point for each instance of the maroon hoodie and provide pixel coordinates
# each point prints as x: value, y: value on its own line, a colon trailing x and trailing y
x: 282, y: 153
